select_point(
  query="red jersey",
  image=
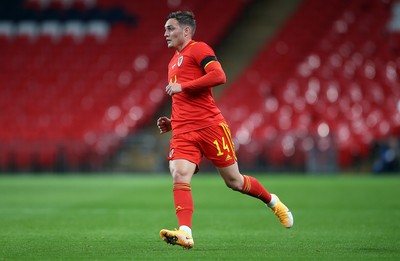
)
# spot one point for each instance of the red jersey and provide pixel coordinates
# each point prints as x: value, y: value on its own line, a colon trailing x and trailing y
x: 194, y: 108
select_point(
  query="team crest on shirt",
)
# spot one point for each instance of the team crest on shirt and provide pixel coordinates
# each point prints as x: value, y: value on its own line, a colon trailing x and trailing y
x: 180, y: 60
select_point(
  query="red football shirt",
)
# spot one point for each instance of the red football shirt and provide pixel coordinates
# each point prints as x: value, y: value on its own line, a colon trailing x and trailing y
x: 193, y: 108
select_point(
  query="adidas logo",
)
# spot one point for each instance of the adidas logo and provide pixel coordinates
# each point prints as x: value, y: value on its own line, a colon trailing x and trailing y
x: 228, y: 158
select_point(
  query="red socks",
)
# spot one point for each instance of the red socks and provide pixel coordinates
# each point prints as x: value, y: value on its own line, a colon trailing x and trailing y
x: 253, y: 187
x: 183, y: 203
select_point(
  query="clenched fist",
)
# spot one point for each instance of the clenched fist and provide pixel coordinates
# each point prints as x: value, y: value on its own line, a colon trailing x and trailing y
x: 164, y: 124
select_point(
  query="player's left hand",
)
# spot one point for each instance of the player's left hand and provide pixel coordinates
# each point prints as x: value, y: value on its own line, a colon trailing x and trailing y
x: 173, y: 88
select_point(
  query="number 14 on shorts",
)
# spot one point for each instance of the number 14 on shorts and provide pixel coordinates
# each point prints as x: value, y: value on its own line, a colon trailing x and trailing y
x: 224, y: 146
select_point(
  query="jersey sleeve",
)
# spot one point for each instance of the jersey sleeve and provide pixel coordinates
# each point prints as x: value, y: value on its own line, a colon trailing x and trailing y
x: 203, y: 54
x: 206, y: 59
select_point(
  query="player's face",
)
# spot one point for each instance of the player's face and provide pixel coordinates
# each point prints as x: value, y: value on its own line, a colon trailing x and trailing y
x: 174, y: 34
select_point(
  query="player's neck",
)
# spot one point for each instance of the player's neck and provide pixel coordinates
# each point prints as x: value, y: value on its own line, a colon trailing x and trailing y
x: 179, y: 49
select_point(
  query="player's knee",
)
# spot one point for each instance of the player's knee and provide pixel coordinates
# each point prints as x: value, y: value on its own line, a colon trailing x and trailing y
x: 180, y: 176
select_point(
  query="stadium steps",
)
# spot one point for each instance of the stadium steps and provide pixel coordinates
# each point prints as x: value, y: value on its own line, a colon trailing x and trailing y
x: 256, y: 26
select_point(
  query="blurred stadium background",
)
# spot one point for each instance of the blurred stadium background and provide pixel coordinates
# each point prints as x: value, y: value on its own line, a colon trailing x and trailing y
x: 313, y: 86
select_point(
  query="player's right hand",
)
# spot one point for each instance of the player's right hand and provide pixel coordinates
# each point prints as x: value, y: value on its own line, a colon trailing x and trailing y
x: 164, y: 124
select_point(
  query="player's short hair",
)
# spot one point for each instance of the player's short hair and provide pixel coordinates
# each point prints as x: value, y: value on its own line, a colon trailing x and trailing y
x: 184, y: 18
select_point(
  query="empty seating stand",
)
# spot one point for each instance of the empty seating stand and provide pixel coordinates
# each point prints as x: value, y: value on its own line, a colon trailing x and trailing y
x: 78, y: 76
x: 329, y: 80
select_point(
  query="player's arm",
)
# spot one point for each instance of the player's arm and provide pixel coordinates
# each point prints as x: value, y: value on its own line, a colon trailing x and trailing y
x: 214, y: 76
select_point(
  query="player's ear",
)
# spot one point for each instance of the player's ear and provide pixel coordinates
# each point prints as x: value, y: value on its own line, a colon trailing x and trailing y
x: 187, y: 30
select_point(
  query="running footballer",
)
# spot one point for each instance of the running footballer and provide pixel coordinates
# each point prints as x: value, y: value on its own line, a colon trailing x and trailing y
x: 199, y: 129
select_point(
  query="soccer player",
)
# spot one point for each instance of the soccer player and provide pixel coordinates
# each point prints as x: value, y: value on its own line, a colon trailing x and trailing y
x: 198, y: 128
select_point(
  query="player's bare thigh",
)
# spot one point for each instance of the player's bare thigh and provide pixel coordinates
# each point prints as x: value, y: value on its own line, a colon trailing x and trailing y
x: 232, y: 176
x: 182, y: 170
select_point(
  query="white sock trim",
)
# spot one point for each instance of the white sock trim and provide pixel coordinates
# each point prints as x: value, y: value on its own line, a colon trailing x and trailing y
x: 273, y: 201
x: 186, y: 229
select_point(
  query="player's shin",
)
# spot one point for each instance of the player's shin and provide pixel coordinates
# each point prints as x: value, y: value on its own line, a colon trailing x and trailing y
x: 254, y: 188
x: 183, y: 204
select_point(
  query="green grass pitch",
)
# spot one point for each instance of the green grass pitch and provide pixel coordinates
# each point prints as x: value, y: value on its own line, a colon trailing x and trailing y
x: 117, y: 217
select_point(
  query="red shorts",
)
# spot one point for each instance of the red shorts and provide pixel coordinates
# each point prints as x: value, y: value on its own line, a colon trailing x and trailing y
x: 214, y: 142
